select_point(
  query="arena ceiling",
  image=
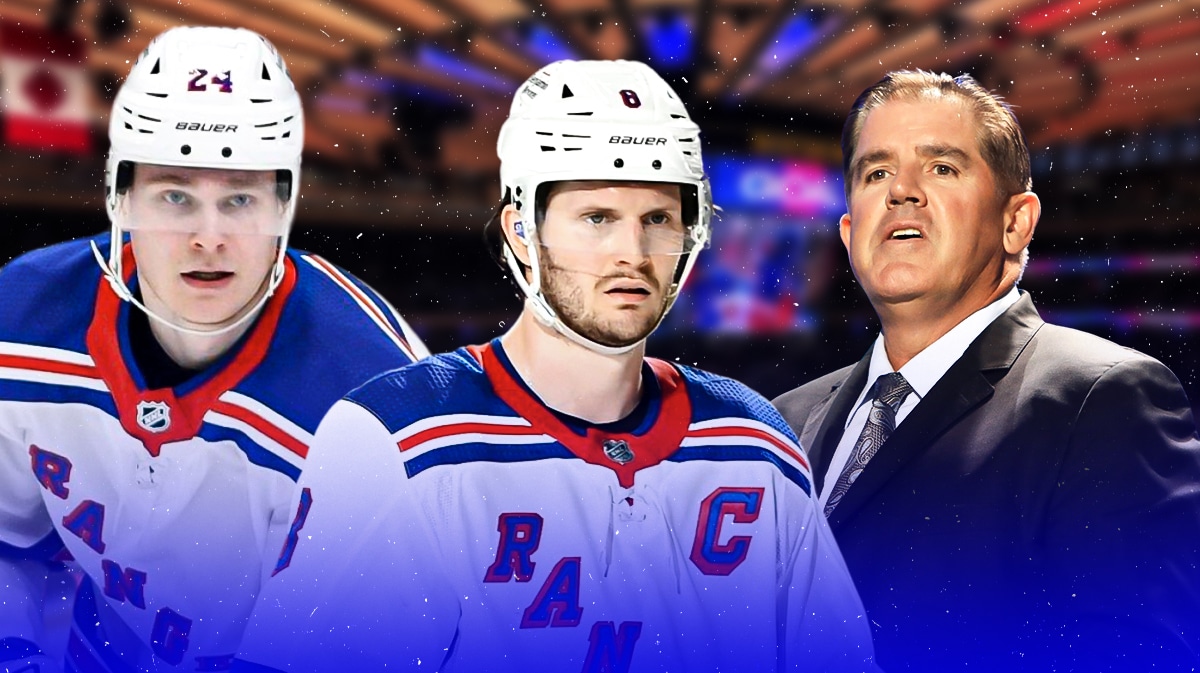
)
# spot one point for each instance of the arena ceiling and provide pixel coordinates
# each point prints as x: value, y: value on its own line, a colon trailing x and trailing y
x: 1074, y: 68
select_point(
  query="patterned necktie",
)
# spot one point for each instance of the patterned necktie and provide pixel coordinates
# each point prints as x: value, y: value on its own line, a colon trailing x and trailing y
x: 886, y: 395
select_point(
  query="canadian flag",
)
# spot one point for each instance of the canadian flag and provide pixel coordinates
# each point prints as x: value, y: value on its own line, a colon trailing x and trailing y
x: 47, y: 102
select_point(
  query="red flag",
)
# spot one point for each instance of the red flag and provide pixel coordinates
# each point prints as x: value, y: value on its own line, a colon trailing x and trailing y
x: 45, y: 89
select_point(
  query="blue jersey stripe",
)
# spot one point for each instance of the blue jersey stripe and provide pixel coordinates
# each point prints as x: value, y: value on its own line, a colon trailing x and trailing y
x: 380, y: 304
x: 255, y: 452
x: 724, y: 453
x: 480, y: 452
x: 30, y: 391
x: 510, y: 453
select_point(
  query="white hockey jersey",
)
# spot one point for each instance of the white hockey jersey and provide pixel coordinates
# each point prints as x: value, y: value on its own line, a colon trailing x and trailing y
x: 449, y: 521
x: 174, y: 502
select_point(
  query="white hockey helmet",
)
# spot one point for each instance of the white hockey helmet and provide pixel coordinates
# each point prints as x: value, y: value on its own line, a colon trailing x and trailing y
x: 205, y: 97
x: 598, y: 120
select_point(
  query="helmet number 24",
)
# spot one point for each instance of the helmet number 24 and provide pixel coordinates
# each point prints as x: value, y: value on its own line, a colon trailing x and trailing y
x: 224, y: 82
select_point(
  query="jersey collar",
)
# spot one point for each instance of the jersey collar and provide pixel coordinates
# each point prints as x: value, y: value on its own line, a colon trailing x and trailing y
x: 164, y: 415
x: 659, y: 438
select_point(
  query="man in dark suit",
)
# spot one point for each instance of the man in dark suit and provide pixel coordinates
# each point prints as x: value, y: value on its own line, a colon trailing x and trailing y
x: 1008, y: 494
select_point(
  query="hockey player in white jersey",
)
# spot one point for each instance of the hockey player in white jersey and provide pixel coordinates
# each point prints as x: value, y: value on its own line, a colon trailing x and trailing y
x: 159, y: 385
x: 553, y: 500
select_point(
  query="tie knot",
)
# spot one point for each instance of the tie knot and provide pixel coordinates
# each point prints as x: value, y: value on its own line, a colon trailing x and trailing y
x: 891, y: 388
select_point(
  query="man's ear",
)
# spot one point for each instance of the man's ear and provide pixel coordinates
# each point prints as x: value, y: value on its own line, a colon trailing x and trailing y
x: 1021, y: 214
x: 844, y: 230
x: 514, y: 232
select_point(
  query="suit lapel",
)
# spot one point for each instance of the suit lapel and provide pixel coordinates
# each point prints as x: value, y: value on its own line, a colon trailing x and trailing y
x: 823, y: 429
x: 965, y: 386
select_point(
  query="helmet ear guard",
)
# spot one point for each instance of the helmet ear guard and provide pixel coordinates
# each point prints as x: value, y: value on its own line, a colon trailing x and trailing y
x: 204, y: 97
x: 598, y: 120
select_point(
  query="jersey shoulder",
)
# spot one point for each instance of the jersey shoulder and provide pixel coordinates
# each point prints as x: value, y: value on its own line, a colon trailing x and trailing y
x: 742, y: 425
x: 448, y: 385
x: 50, y: 293
x: 333, y: 335
x: 714, y: 396
x: 338, y: 304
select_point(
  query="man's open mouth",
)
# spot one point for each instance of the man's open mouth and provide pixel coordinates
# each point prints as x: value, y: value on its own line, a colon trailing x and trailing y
x: 628, y: 290
x: 207, y: 276
x: 906, y: 234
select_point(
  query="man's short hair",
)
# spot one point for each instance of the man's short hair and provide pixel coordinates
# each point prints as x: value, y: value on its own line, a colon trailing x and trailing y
x: 1001, y: 141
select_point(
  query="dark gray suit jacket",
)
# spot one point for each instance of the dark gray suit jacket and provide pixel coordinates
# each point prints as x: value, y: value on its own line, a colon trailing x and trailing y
x: 1038, y: 510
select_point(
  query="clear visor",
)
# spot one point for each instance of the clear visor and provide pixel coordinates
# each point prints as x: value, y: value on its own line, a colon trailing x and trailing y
x: 615, y: 238
x: 202, y: 200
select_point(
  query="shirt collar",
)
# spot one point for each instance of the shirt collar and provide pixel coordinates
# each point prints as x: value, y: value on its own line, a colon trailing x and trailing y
x: 928, y: 366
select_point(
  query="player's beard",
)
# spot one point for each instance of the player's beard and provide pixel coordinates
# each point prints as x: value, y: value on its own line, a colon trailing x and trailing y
x: 565, y: 294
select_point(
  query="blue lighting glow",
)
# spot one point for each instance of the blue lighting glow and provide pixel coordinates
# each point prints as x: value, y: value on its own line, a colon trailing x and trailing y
x: 777, y: 185
x: 454, y: 67
x: 546, y: 45
x: 795, y: 38
x: 369, y: 80
x: 669, y: 40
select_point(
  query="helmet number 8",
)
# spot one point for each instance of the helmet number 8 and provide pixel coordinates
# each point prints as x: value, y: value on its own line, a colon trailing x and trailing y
x: 630, y: 98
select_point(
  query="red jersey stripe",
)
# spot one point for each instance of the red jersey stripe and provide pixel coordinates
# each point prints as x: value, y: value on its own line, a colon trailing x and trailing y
x: 751, y: 432
x: 52, y: 366
x: 420, y: 438
x: 262, y: 425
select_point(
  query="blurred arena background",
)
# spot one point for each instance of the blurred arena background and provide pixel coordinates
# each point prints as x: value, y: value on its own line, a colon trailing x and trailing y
x: 404, y: 99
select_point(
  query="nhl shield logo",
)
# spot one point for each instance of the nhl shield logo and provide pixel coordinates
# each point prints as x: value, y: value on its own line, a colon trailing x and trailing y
x: 154, y: 416
x: 618, y: 451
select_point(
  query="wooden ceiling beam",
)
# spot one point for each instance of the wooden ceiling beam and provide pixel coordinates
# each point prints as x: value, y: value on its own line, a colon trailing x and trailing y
x: 1043, y: 95
x: 414, y: 18
x: 433, y: 21
x: 591, y: 27
x: 627, y: 18
x: 994, y: 12
x: 742, y: 46
x: 861, y: 37
x: 1156, y: 36
x: 487, y: 13
x: 705, y: 15
x: 1125, y: 110
x: 826, y: 95
x: 967, y: 47
x: 280, y: 33
x: 563, y: 27
x: 1059, y: 15
x: 336, y: 22
x: 33, y: 12
x: 118, y: 55
x: 409, y: 72
x: 756, y: 79
x: 477, y: 39
x: 476, y: 20
x: 1170, y: 58
x: 502, y: 57
x: 918, y: 9
x: 1136, y: 18
x: 848, y: 7
x: 912, y: 49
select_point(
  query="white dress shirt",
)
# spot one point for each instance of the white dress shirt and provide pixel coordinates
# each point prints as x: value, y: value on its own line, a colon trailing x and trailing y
x: 921, y: 372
